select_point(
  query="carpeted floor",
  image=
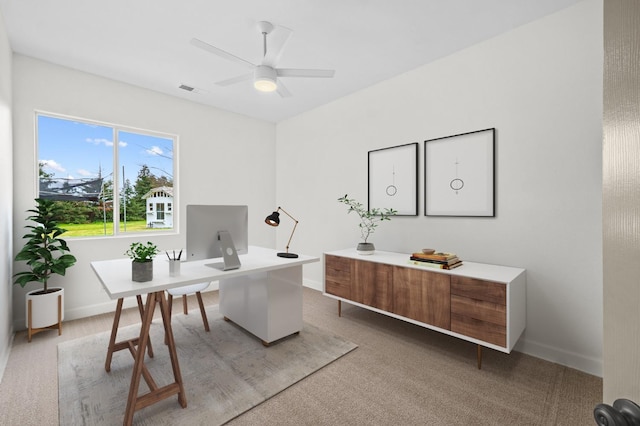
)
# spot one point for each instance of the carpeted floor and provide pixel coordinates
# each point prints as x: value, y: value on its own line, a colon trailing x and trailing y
x: 400, y: 374
x: 225, y: 371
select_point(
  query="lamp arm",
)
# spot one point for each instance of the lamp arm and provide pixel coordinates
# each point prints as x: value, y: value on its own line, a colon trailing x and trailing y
x: 294, y: 226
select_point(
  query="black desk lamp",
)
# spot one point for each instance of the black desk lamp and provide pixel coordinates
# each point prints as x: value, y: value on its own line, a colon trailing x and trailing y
x: 274, y: 220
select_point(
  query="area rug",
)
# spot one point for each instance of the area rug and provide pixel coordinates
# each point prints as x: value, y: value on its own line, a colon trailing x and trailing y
x: 226, y: 371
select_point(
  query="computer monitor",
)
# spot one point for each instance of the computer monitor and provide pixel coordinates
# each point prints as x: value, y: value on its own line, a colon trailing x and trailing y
x: 204, y: 222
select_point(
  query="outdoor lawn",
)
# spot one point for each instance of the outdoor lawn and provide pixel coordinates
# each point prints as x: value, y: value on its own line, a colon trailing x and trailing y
x: 98, y: 228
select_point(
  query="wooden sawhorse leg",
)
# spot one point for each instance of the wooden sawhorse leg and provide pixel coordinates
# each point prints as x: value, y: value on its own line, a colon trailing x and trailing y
x: 115, y: 347
x: 135, y: 402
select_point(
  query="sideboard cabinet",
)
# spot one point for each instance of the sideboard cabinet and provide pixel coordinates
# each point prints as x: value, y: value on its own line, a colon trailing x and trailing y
x: 484, y: 304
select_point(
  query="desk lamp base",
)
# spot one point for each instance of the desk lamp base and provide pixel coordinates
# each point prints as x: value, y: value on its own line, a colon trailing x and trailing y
x: 288, y: 255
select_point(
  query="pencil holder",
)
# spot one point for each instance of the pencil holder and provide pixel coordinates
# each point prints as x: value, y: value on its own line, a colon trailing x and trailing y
x: 174, y: 267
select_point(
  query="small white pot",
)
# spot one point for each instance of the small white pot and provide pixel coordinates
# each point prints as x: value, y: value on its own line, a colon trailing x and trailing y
x: 44, y: 307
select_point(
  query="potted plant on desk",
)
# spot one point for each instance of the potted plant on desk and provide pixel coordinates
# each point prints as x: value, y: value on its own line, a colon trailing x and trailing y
x: 142, y: 260
x: 45, y: 255
x: 369, y: 220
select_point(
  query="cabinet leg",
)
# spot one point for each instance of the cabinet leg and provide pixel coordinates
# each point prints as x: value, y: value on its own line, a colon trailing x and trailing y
x: 339, y: 308
x: 479, y: 357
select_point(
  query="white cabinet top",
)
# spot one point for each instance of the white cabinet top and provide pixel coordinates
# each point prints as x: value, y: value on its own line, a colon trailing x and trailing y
x: 483, y: 271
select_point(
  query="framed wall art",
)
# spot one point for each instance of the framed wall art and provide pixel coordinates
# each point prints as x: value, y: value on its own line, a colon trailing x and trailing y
x: 459, y: 176
x: 393, y: 179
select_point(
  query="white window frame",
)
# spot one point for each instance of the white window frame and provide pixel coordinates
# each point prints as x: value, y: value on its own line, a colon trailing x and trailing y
x: 117, y: 178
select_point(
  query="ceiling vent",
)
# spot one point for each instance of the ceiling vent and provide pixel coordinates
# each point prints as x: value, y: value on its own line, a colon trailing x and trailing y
x: 185, y: 87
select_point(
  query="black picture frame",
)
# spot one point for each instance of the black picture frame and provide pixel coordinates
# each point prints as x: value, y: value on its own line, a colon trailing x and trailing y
x: 459, y: 175
x: 393, y: 179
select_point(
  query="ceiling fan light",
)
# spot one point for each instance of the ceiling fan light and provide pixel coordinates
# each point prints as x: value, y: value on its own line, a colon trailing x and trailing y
x: 265, y: 79
x: 265, y: 85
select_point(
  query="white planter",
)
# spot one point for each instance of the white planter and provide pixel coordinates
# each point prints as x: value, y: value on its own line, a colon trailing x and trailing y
x: 44, y: 307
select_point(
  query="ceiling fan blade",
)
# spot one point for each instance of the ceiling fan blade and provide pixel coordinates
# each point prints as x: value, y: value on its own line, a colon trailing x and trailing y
x: 235, y: 80
x: 292, y: 72
x: 276, y: 40
x: 219, y: 52
x: 282, y: 90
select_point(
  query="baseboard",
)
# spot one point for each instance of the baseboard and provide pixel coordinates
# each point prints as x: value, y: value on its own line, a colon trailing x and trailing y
x: 569, y: 359
x: 99, y: 308
x: 316, y: 285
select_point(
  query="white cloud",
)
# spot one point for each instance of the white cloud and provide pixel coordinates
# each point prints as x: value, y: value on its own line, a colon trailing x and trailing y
x: 155, y: 150
x: 85, y: 173
x: 52, y: 165
x: 99, y: 141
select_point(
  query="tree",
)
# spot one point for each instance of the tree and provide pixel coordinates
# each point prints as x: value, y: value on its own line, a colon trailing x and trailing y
x: 41, y: 173
x: 136, y: 207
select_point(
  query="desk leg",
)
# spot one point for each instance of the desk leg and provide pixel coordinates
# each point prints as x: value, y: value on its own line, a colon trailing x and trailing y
x: 113, y: 346
x: 173, y: 354
x: 135, y: 402
x: 141, y: 309
x: 114, y: 332
x: 139, y: 358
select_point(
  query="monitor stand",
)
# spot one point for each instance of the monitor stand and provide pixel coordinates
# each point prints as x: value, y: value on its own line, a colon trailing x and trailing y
x: 229, y: 253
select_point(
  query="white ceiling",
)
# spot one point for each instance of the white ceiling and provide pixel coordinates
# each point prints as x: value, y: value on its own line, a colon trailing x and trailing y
x: 146, y: 42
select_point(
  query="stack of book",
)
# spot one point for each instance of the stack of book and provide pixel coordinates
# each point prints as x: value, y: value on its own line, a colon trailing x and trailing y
x: 436, y: 260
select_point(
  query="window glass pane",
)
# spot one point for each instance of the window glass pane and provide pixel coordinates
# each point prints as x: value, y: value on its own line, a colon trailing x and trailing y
x: 75, y: 168
x: 147, y: 180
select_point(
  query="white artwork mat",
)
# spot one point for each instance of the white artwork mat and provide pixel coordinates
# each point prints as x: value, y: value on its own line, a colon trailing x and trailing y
x: 459, y: 175
x: 393, y: 179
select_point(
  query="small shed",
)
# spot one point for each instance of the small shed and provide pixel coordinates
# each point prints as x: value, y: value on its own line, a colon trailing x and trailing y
x: 159, y: 203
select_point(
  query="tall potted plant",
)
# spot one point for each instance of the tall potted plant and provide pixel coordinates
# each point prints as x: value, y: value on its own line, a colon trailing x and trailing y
x: 369, y: 220
x: 142, y: 260
x: 46, y: 255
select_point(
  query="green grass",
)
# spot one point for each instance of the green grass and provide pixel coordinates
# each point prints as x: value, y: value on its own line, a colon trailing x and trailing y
x: 98, y: 228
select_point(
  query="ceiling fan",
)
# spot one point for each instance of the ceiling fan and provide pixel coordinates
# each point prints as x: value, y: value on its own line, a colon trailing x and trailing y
x: 265, y: 75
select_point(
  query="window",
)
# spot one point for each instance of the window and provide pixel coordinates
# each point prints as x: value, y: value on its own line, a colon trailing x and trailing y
x: 104, y: 176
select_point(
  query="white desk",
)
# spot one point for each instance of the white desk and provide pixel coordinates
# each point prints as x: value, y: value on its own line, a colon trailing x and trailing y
x: 263, y: 296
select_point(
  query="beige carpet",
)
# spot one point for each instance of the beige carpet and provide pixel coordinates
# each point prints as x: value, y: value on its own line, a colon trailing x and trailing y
x: 226, y: 372
x: 401, y: 374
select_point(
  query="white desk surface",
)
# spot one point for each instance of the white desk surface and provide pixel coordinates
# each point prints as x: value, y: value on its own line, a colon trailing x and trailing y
x: 115, y: 275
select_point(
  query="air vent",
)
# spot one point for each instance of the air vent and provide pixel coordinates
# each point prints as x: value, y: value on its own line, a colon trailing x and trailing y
x: 185, y: 87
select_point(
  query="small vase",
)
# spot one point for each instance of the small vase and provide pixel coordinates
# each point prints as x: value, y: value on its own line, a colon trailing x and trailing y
x: 142, y: 271
x: 365, y: 248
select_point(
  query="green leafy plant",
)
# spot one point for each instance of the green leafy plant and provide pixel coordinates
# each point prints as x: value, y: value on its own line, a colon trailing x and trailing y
x: 139, y: 252
x: 44, y: 250
x: 369, y: 219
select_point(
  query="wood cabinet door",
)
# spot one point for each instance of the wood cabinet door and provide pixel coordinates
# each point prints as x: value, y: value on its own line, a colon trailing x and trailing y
x: 338, y: 276
x: 479, y: 309
x: 423, y: 296
x: 372, y: 284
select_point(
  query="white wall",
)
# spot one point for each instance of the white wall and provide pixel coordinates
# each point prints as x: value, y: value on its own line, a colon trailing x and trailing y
x: 6, y: 198
x: 540, y: 86
x: 221, y: 157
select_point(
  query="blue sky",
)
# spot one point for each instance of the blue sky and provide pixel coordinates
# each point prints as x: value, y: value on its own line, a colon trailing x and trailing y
x: 73, y: 149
